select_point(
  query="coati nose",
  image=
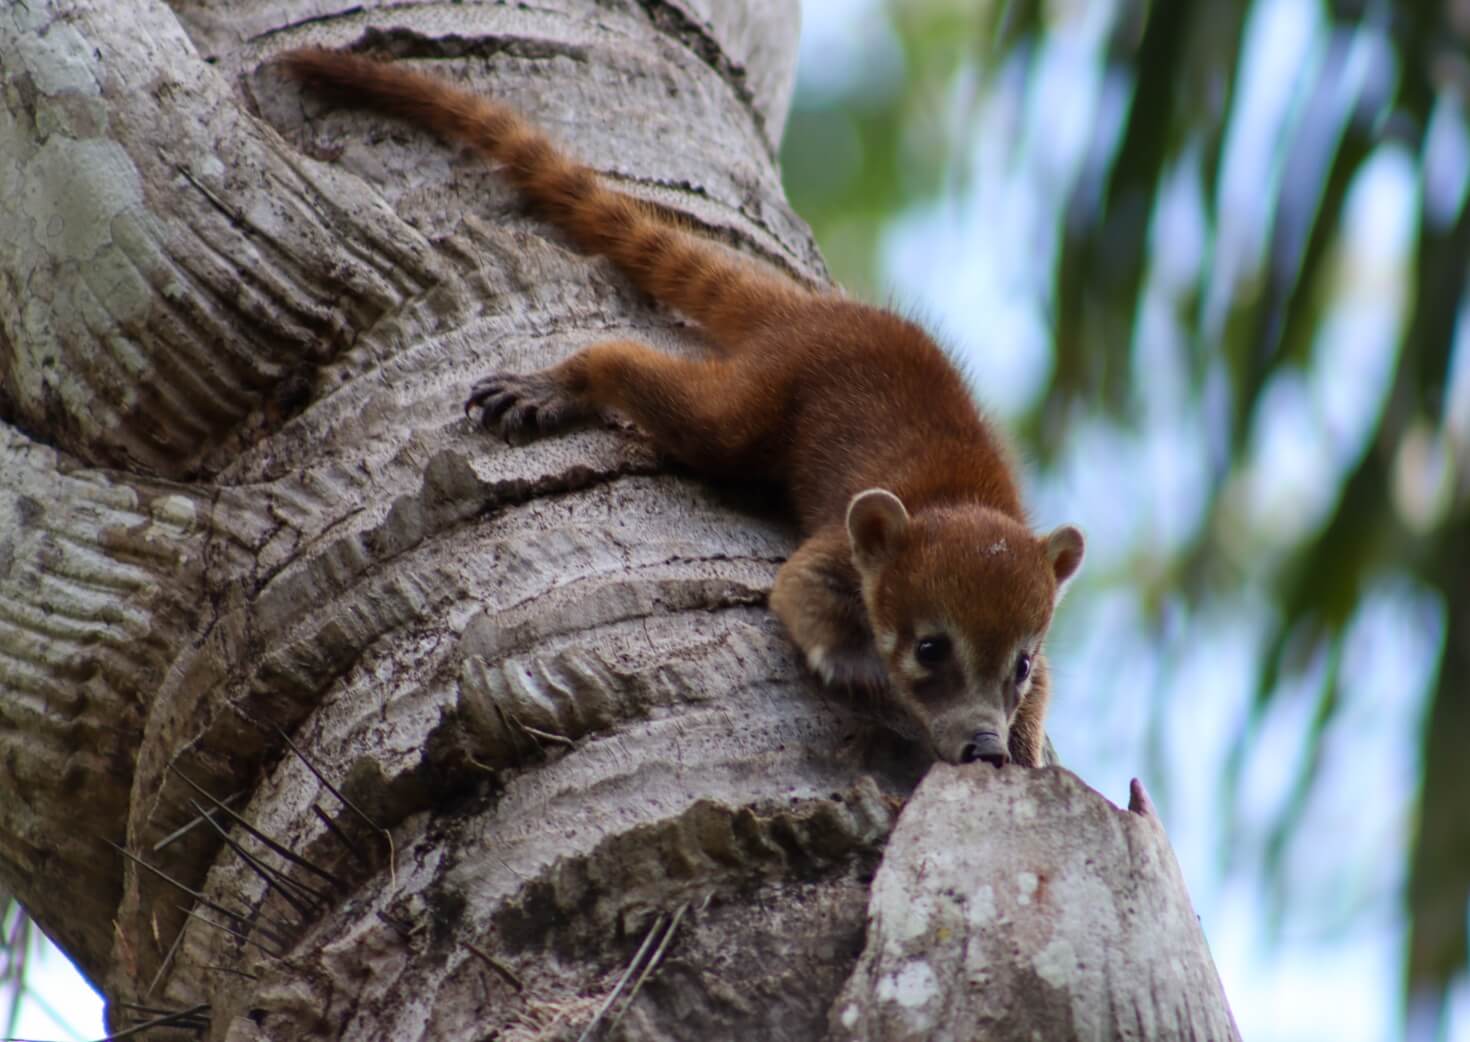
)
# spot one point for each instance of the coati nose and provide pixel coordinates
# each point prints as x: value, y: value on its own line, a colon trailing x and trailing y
x: 986, y: 746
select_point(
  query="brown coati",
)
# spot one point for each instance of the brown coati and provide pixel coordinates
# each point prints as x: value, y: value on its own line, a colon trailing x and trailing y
x: 919, y: 575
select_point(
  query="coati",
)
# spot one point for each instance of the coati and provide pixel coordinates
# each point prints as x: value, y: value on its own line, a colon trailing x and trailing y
x: 919, y: 577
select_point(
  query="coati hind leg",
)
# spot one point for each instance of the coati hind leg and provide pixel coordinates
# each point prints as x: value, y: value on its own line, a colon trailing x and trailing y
x: 710, y: 413
x: 818, y: 597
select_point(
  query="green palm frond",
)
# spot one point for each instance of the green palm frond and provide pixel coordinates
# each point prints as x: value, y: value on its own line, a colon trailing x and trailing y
x: 1378, y: 78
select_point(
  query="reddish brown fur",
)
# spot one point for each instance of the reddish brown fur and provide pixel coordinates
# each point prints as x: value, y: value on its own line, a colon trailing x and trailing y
x: 829, y: 396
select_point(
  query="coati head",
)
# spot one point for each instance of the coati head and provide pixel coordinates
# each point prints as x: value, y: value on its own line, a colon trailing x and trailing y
x: 959, y: 599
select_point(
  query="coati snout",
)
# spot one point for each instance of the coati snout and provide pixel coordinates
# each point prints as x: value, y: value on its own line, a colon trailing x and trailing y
x: 986, y: 747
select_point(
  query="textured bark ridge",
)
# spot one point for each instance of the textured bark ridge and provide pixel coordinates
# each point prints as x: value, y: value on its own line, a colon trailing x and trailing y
x: 1019, y: 904
x: 504, y: 742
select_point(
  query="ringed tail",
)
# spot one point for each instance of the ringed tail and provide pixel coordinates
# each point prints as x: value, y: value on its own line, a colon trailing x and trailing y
x: 670, y: 264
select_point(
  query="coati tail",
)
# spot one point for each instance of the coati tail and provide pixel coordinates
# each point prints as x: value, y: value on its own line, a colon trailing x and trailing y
x: 667, y: 262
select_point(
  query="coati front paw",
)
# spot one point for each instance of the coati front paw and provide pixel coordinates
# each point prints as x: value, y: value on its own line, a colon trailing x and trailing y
x: 845, y: 666
x: 819, y: 661
x: 523, y: 405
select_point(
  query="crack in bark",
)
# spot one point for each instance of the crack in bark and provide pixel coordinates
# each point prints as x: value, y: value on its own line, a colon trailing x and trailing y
x: 667, y: 20
x: 674, y: 23
x: 802, y: 837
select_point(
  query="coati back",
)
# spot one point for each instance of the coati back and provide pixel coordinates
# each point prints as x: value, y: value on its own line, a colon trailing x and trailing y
x: 919, y: 577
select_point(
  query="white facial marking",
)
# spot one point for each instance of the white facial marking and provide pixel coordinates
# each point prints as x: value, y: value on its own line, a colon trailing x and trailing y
x: 995, y: 549
x: 886, y: 640
x: 912, y: 670
x: 965, y: 651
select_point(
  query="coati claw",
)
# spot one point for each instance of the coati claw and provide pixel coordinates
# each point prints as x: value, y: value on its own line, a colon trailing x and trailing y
x: 818, y: 660
x: 521, y: 405
x: 846, y: 667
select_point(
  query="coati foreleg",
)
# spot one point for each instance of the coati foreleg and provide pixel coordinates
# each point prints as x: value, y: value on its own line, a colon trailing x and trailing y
x: 710, y: 413
x: 818, y: 598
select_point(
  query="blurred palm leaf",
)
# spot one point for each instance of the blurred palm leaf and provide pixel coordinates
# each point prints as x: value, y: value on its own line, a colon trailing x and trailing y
x: 1379, y: 75
x: 15, y: 946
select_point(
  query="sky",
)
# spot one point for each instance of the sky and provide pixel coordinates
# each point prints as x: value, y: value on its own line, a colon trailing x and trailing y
x: 58, y: 1004
x: 1131, y: 702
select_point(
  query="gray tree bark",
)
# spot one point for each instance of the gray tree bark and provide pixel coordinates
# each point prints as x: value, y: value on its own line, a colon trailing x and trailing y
x: 544, y: 758
x: 1017, y: 905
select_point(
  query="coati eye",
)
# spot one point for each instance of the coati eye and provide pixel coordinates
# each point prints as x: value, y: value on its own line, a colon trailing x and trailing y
x: 931, y: 651
x: 1023, y: 667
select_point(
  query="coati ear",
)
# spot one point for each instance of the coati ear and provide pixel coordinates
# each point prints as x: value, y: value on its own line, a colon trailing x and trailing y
x: 1064, y: 551
x: 876, y: 523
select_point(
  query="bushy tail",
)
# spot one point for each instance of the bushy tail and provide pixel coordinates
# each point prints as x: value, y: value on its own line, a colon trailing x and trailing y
x: 669, y: 263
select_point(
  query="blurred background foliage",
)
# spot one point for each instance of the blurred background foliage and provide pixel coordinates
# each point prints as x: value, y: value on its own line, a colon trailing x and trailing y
x: 1208, y: 261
